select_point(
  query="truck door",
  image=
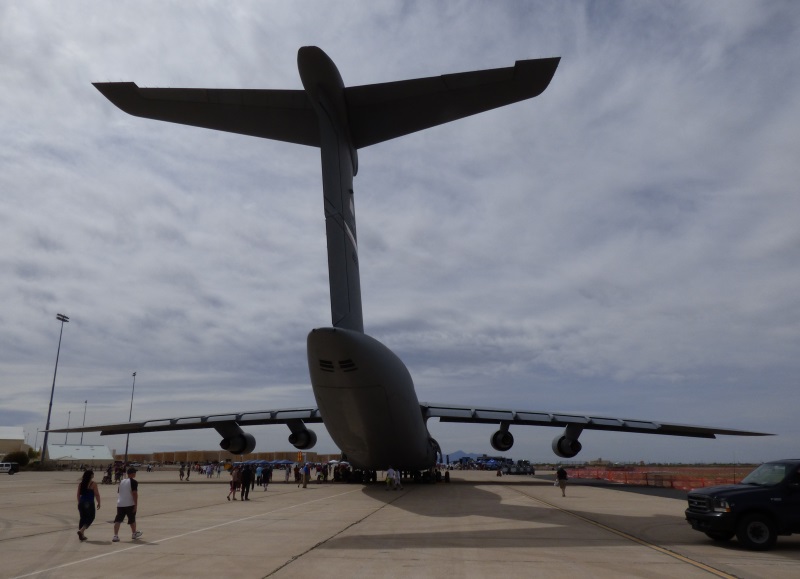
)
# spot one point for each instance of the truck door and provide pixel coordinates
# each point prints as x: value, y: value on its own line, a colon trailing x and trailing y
x: 792, y: 500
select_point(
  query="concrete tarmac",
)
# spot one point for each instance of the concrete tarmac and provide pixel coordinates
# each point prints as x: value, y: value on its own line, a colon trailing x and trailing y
x: 479, y: 525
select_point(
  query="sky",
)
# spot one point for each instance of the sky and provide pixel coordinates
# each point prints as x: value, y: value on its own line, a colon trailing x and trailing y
x: 625, y: 244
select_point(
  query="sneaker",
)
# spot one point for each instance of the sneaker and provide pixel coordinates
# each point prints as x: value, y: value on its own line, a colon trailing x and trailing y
x: 136, y: 535
x: 115, y: 539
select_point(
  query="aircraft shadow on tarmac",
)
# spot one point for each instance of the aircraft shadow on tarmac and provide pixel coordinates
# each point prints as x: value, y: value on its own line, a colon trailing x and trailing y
x: 545, y: 527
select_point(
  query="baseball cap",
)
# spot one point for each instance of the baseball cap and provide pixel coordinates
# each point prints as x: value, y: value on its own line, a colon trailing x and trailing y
x: 131, y: 470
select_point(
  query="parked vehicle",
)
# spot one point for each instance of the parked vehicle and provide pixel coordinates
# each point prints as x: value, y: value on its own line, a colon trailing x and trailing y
x: 9, y: 467
x: 764, y: 505
x: 521, y: 467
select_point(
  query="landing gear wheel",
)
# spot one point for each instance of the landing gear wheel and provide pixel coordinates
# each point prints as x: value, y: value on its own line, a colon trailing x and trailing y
x: 756, y: 532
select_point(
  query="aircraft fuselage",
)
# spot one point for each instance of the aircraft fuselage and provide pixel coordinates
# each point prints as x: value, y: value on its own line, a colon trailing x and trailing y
x: 367, y: 399
x: 364, y: 392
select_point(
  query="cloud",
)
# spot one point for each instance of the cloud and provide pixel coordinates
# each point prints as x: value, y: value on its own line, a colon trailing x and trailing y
x: 624, y: 244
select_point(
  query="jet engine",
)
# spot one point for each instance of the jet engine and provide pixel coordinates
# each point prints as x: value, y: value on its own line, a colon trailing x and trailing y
x: 502, y: 440
x: 240, y: 443
x: 303, y: 439
x: 566, y: 447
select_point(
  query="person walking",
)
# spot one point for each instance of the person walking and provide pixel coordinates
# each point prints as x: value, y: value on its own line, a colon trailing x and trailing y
x: 390, y: 479
x: 88, y: 493
x: 181, y: 471
x: 247, y: 480
x: 397, y: 480
x: 267, y: 474
x: 561, y: 480
x: 236, y: 478
x: 127, y: 504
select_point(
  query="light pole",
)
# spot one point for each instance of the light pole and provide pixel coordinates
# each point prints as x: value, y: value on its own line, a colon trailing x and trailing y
x: 130, y: 414
x: 85, y: 402
x: 66, y: 434
x: 61, y: 318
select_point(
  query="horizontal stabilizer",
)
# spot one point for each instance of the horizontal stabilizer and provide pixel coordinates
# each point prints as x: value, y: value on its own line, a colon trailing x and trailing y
x: 449, y: 413
x: 281, y: 115
x: 376, y: 112
x: 379, y: 112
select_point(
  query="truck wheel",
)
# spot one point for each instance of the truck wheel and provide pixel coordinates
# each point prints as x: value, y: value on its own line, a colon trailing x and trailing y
x: 756, y: 532
x: 720, y: 537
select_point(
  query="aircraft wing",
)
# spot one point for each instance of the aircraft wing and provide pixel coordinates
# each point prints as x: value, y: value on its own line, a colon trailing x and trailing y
x: 379, y: 112
x: 307, y: 415
x: 449, y: 413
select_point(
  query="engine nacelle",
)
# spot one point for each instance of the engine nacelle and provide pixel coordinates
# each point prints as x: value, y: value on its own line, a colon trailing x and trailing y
x: 566, y: 447
x: 241, y: 443
x: 303, y: 439
x: 502, y: 440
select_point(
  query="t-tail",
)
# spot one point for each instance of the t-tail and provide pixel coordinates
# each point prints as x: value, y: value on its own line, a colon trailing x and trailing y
x: 339, y: 120
x: 325, y: 90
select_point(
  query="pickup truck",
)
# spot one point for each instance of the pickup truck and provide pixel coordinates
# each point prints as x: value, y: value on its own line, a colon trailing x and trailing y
x: 764, y: 505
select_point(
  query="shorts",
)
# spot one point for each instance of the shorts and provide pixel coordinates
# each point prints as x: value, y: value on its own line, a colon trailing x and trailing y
x: 122, y: 512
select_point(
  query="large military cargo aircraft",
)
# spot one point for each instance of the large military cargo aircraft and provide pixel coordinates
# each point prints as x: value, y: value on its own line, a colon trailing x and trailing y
x: 364, y: 393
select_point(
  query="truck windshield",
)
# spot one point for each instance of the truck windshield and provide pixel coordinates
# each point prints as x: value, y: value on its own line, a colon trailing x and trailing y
x: 767, y: 475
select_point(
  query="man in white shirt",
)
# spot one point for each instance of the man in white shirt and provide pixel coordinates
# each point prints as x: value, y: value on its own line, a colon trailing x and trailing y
x: 390, y: 479
x: 127, y: 501
x: 397, y: 483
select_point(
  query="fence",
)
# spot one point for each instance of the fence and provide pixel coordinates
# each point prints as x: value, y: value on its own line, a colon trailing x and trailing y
x: 679, y: 479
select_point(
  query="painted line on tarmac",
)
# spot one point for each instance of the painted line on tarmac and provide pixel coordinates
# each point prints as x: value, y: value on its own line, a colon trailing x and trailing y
x: 336, y: 534
x: 158, y: 541
x: 624, y: 535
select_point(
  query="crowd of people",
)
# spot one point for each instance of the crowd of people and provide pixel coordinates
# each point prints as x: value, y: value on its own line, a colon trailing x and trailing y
x: 244, y: 479
x: 199, y: 469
